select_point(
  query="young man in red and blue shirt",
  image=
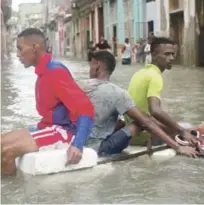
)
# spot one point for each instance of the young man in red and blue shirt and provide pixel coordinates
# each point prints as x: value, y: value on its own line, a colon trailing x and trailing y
x: 67, y: 113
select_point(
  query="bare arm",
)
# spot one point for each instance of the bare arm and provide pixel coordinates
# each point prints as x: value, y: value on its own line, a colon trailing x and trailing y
x: 158, y: 113
x: 123, y: 49
x: 145, y: 121
x: 148, y: 124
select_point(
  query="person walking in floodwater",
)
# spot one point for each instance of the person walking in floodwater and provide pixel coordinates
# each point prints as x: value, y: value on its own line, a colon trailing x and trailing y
x: 137, y: 51
x: 91, y: 49
x: 147, y: 51
x: 126, y: 53
x: 103, y: 44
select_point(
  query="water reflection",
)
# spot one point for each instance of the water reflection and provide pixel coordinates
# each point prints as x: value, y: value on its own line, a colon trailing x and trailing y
x: 179, y: 180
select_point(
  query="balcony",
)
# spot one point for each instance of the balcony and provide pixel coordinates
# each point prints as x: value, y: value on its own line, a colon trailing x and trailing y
x: 176, y: 6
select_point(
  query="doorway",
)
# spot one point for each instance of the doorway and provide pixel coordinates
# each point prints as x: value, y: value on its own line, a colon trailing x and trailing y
x: 150, y: 27
x: 200, y: 47
x: 200, y: 32
x: 100, y: 22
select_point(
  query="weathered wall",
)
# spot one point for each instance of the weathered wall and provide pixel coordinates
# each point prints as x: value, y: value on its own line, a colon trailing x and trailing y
x: 189, y: 33
x: 164, y: 18
x: 3, y: 37
x: 153, y: 14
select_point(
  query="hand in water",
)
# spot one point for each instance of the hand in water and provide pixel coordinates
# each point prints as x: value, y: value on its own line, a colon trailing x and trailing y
x: 188, y: 151
x: 193, y: 141
x: 74, y: 155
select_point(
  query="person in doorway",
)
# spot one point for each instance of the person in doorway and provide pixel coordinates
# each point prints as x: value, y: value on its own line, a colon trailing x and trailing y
x: 67, y: 113
x: 137, y: 50
x: 91, y: 49
x: 126, y: 53
x: 143, y: 55
x: 48, y: 46
x: 102, y: 44
x: 148, y: 57
x: 145, y: 89
x: 106, y: 136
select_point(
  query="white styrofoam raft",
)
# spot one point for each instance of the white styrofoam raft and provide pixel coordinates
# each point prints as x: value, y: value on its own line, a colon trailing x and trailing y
x: 53, y: 161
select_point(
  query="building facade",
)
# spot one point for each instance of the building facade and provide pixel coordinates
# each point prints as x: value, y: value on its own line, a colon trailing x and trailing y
x: 113, y: 19
x: 57, y: 17
x: 182, y: 20
x: 88, y: 24
x: 124, y: 19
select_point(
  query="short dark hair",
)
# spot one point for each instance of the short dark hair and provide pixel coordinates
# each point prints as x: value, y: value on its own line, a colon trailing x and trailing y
x: 156, y: 41
x: 31, y: 32
x: 105, y: 57
x: 126, y: 40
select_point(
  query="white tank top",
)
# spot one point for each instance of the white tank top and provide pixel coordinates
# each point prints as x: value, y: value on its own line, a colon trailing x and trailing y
x: 127, y: 51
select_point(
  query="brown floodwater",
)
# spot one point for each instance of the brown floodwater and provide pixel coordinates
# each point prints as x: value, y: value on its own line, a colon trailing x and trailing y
x: 179, y: 180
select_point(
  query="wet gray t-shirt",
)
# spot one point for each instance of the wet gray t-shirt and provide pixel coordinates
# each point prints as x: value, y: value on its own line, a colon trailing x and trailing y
x: 109, y: 101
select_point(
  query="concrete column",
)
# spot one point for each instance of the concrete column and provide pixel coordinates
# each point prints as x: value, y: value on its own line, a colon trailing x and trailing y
x: 120, y: 20
x: 139, y: 19
x: 90, y: 27
x: 4, y: 48
x: 74, y: 38
x: 108, y: 21
x: 96, y: 23
x: 165, y: 18
x: 158, y: 14
x: 105, y: 17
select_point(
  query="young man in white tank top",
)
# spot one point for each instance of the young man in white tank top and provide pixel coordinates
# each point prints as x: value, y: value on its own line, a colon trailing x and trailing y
x: 126, y: 53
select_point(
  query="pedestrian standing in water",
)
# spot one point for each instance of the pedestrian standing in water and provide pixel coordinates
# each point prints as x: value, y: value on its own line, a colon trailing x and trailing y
x: 142, y: 57
x: 136, y: 51
x: 103, y: 44
x: 147, y: 50
x: 126, y: 53
x: 139, y: 51
x: 91, y: 49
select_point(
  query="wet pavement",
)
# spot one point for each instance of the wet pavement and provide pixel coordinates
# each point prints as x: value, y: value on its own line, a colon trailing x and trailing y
x: 180, y: 180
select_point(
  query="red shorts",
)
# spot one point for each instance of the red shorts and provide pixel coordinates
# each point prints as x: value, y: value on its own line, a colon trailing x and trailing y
x: 54, y: 137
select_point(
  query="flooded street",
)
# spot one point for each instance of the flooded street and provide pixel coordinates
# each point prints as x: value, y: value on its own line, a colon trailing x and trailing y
x: 180, y: 180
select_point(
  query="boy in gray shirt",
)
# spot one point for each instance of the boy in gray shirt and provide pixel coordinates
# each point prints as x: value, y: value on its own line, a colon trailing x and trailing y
x: 109, y: 101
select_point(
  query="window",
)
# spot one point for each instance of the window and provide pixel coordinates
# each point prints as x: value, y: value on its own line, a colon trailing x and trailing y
x: 175, y: 4
x: 149, y: 1
x: 113, y: 11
